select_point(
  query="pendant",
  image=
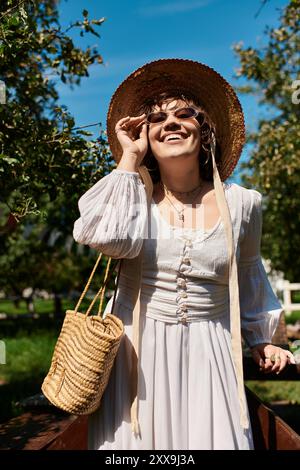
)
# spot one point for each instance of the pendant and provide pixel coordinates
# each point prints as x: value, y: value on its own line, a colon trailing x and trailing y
x: 181, y: 217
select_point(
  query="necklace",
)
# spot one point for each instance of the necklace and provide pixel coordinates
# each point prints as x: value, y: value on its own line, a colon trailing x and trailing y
x: 171, y: 191
x: 181, y: 212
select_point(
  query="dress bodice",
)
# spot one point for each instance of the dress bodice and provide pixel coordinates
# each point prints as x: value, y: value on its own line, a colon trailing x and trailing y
x: 185, y: 271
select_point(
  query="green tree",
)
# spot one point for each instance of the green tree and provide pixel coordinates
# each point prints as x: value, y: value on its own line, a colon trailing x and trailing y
x: 45, y: 164
x: 274, y: 167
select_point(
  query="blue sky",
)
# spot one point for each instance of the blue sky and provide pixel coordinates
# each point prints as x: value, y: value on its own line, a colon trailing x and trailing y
x: 136, y: 32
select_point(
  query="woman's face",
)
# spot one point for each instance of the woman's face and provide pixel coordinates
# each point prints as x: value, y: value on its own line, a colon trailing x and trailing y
x: 187, y: 132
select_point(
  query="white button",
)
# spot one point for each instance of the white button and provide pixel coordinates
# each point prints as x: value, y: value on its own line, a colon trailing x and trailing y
x: 180, y: 296
x: 181, y: 283
x: 183, y: 319
x: 188, y: 242
x: 183, y: 308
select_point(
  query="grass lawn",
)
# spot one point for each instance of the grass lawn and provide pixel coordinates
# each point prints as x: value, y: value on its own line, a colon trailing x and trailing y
x: 269, y: 391
x: 42, y: 306
x: 28, y: 357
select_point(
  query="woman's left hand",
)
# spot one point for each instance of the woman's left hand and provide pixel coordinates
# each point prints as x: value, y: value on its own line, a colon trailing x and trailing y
x: 271, y: 358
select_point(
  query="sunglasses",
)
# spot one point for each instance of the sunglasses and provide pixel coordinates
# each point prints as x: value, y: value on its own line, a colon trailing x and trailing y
x: 180, y: 113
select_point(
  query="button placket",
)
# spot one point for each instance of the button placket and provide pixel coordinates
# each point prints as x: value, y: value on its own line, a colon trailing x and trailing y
x: 181, y: 295
x: 186, y: 258
x: 182, y: 310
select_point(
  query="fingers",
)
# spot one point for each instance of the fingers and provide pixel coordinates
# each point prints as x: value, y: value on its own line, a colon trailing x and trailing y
x: 271, y: 358
x: 129, y: 123
x: 282, y: 362
x: 122, y: 121
x: 290, y: 357
x: 278, y: 360
x: 132, y: 135
x: 144, y: 134
x: 268, y: 365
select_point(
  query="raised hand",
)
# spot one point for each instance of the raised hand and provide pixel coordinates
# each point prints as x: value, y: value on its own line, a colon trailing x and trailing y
x: 132, y: 135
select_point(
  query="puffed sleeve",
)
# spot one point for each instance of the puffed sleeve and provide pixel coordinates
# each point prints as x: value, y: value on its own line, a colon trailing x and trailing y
x: 113, y: 215
x: 259, y: 306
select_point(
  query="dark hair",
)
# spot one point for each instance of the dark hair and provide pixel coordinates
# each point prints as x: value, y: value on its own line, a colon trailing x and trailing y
x: 207, y: 127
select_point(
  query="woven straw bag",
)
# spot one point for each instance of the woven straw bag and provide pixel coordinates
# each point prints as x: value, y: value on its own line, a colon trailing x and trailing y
x: 84, y: 355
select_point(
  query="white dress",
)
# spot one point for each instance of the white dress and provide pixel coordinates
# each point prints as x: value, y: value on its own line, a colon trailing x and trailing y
x: 187, y: 387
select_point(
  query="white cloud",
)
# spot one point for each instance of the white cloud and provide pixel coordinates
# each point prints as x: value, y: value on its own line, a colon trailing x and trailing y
x: 173, y: 7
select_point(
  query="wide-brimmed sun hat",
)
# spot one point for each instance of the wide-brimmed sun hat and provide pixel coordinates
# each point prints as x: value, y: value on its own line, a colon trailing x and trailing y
x: 215, y: 94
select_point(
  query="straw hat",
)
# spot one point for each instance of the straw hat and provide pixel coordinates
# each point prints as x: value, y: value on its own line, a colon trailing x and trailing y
x: 211, y: 89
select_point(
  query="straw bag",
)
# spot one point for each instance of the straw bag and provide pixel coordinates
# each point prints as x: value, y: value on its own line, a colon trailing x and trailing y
x: 84, y: 355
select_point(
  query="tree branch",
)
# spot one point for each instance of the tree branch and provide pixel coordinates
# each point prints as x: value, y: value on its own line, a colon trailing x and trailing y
x: 12, y: 9
x: 263, y: 3
x: 83, y: 127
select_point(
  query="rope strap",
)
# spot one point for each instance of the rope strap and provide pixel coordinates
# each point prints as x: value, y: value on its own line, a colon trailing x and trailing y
x: 101, y: 291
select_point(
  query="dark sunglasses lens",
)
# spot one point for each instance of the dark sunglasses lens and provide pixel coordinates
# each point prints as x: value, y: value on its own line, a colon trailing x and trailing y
x: 156, y: 117
x: 185, y: 113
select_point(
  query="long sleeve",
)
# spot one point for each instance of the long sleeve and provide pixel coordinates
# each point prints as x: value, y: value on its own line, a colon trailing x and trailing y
x: 113, y: 215
x: 259, y: 306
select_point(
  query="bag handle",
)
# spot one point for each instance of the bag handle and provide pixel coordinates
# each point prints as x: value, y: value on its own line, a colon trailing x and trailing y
x: 101, y: 291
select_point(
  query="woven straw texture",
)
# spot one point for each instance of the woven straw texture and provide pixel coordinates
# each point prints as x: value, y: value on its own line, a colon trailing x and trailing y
x: 216, y: 94
x: 83, y: 358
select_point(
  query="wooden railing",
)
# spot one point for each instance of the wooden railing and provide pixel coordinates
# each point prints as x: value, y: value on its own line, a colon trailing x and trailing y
x: 287, y: 287
x: 52, y: 429
x: 57, y: 431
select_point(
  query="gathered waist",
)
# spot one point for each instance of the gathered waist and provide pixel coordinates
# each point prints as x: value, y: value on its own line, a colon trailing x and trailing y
x: 193, y: 304
x: 183, y: 312
x: 185, y: 318
x: 179, y: 302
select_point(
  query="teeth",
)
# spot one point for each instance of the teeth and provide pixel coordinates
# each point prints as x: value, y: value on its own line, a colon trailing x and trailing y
x: 173, y: 137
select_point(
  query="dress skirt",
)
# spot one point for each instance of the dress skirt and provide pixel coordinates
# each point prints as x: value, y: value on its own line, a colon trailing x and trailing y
x: 187, y: 390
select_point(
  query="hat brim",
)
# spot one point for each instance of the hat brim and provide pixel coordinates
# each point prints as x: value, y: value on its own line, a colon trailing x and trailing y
x: 211, y: 89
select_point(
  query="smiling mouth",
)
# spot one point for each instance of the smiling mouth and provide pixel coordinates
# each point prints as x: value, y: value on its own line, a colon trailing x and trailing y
x: 174, y: 138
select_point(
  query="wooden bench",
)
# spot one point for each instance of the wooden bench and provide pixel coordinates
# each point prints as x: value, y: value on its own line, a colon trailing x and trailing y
x: 54, y: 430
x: 44, y: 431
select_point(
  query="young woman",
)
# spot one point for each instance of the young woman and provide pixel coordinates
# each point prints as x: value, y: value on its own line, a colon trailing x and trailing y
x: 191, y: 277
